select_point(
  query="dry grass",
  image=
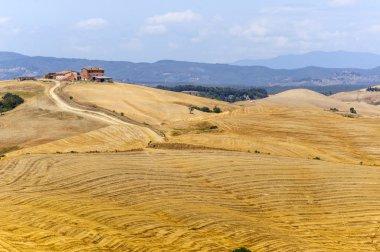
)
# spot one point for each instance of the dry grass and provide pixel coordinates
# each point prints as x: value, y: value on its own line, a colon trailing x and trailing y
x: 38, y: 120
x: 196, y: 199
x: 283, y: 126
x: 143, y: 104
x: 108, y: 139
x: 186, y: 201
x: 359, y: 96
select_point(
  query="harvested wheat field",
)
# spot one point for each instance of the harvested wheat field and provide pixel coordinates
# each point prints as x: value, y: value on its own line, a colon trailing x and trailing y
x: 278, y: 174
x: 359, y: 96
x: 286, y: 125
x: 143, y: 104
x: 296, y: 123
x: 186, y: 201
x: 38, y: 120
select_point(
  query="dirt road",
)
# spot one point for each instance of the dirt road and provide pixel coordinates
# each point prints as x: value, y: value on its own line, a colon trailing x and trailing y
x: 94, y: 114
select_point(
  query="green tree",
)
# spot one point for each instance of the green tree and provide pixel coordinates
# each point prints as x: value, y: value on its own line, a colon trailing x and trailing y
x: 206, y: 109
x: 217, y: 110
x: 10, y: 101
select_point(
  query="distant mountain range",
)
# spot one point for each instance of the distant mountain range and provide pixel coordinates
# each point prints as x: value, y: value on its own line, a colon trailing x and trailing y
x: 339, y: 59
x: 177, y: 72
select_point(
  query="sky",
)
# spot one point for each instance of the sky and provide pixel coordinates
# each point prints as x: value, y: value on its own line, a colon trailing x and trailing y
x: 213, y: 31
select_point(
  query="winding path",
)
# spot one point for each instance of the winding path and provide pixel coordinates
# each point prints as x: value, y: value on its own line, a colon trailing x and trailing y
x: 60, y: 103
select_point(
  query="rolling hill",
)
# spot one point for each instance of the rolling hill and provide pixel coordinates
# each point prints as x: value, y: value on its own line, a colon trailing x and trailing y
x: 38, y: 120
x: 279, y: 174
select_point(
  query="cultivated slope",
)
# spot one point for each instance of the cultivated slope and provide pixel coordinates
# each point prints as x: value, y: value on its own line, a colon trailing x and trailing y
x: 38, y: 120
x: 302, y: 98
x: 186, y: 201
x: 189, y: 200
x: 113, y: 138
x: 361, y: 96
x: 295, y: 123
x: 143, y: 104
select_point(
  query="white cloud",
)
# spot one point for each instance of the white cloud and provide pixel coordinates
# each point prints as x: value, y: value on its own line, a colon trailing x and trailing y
x: 212, y: 28
x: 285, y: 9
x: 154, y: 29
x: 174, y: 17
x: 158, y: 25
x: 342, y: 2
x: 92, y: 24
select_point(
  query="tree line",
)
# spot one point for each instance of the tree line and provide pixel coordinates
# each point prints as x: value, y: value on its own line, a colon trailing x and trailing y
x: 227, y: 94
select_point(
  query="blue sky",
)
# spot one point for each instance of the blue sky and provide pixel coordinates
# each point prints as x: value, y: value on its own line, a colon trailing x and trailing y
x: 192, y: 30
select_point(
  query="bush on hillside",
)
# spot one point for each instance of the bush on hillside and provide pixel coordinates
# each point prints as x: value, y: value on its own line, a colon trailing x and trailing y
x: 205, y: 109
x: 9, y: 102
x: 217, y: 110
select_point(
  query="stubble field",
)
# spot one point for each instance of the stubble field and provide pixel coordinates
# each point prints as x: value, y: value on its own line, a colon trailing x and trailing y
x: 292, y: 175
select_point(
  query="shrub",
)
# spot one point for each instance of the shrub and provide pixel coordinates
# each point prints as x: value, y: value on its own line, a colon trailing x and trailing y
x: 334, y: 109
x: 122, y: 114
x: 242, y: 249
x: 71, y: 97
x: 317, y: 158
x: 353, y: 111
x: 10, y: 101
x: 206, y: 109
x: 217, y: 110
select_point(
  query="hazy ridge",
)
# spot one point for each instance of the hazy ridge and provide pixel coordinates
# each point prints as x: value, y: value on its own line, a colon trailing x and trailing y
x: 179, y: 72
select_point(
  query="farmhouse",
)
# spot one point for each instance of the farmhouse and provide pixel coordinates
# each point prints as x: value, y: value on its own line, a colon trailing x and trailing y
x: 89, y: 73
x: 67, y: 76
x: 63, y: 76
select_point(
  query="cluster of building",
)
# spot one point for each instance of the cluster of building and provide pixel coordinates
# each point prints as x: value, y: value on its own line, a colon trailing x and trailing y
x: 87, y: 74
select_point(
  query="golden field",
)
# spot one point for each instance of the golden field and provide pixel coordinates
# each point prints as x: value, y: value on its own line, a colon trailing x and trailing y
x: 186, y: 201
x: 295, y: 123
x: 38, y: 120
x: 253, y: 180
